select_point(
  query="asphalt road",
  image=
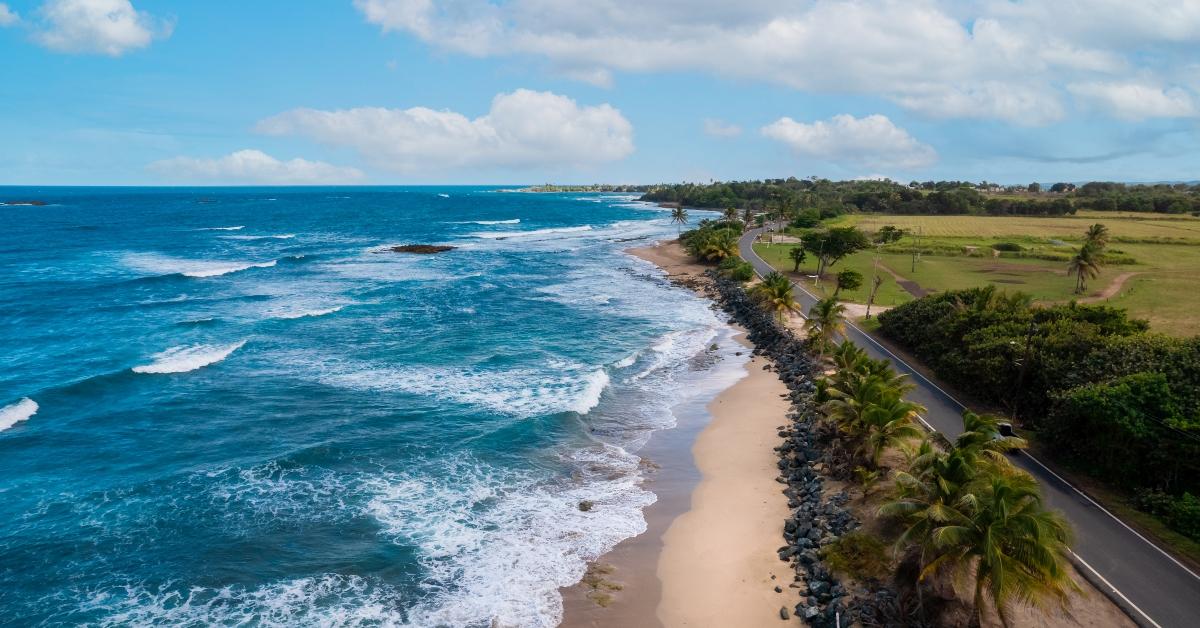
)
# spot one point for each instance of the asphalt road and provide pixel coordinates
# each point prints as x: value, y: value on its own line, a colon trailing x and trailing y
x: 1156, y: 588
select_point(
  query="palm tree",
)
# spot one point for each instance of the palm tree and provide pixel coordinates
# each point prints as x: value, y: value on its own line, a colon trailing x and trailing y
x: 797, y: 255
x: 1097, y: 235
x: 718, y: 245
x: 731, y: 214
x: 679, y: 216
x: 825, y: 321
x: 747, y: 216
x: 888, y: 422
x: 1085, y: 265
x: 775, y: 294
x: 1013, y: 546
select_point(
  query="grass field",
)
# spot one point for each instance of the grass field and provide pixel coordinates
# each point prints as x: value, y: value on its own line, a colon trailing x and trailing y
x: 1162, y: 285
x: 1123, y: 225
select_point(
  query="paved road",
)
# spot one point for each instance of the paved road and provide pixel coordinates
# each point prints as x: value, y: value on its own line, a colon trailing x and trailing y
x: 1155, y: 586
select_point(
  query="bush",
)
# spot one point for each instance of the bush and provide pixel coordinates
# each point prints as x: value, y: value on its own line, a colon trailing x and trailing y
x: 1007, y: 246
x: 858, y: 555
x: 736, y: 269
x: 1181, y: 513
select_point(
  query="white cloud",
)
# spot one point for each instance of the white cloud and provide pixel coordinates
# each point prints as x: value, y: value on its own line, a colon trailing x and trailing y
x: 1135, y: 101
x: 871, y: 141
x: 254, y: 166
x: 522, y: 129
x: 719, y: 128
x: 8, y: 17
x: 110, y: 27
x: 1006, y: 59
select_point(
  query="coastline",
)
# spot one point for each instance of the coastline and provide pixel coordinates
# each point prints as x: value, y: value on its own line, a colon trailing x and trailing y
x: 714, y: 477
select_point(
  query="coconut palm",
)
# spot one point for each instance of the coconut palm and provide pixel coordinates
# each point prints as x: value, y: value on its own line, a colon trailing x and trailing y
x: 887, y: 423
x: 1085, y: 265
x: 679, y: 216
x: 731, y: 214
x: 1097, y: 235
x: 747, y: 216
x: 1003, y: 537
x: 717, y: 245
x: 826, y: 320
x: 775, y: 294
x: 797, y: 255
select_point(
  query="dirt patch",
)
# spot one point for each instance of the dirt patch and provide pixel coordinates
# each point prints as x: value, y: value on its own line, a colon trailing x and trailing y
x: 1111, y: 289
x: 909, y: 285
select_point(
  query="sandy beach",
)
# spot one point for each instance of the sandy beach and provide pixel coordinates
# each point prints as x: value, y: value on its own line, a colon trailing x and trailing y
x: 709, y: 554
x: 709, y: 557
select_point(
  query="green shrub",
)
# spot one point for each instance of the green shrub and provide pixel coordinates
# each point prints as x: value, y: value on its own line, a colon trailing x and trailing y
x: 1181, y: 513
x: 1007, y: 246
x: 743, y: 272
x: 858, y: 555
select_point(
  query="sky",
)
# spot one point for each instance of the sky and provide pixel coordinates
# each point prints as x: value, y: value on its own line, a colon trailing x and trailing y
x: 160, y: 92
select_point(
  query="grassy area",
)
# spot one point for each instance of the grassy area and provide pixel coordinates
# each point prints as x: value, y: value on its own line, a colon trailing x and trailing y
x: 890, y: 293
x: 1160, y: 282
x: 1122, y: 225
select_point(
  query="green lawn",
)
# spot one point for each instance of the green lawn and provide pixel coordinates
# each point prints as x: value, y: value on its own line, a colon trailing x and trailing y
x: 1182, y: 228
x: 890, y: 293
x: 1165, y: 290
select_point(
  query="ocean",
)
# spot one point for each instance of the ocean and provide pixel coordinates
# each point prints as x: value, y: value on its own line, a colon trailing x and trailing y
x: 236, y: 406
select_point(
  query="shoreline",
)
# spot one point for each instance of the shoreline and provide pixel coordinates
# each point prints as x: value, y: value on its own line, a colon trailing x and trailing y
x: 714, y: 477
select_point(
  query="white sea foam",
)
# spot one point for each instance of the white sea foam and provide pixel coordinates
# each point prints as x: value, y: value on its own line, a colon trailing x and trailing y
x: 627, y: 361
x: 325, y: 600
x: 12, y: 414
x: 307, y: 313
x: 163, y: 265
x: 516, y: 392
x: 188, y: 358
x: 502, y: 235
x: 282, y: 236
x: 508, y: 540
x: 512, y: 221
x: 444, y: 195
x: 236, y: 228
x: 218, y: 270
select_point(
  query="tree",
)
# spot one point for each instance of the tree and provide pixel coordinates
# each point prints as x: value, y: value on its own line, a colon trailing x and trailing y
x: 775, y: 295
x: 888, y: 422
x: 888, y: 233
x: 826, y: 319
x: 797, y: 255
x: 731, y: 213
x: 1097, y: 235
x: 1035, y: 187
x: 833, y: 245
x: 848, y: 280
x: 747, y: 216
x: 1085, y: 265
x: 679, y: 216
x: 718, y: 245
x: 1003, y: 536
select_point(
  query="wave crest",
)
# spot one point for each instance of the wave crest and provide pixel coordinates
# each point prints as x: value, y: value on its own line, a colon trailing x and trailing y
x: 185, y: 358
x: 503, y: 235
x: 12, y: 414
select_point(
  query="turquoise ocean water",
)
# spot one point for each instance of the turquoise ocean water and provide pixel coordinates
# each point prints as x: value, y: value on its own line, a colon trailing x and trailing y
x: 227, y: 406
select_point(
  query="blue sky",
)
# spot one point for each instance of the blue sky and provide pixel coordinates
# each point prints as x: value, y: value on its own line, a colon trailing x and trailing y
x: 113, y: 92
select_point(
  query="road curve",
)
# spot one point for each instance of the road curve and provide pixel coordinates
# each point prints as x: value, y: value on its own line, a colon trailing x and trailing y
x: 1156, y: 589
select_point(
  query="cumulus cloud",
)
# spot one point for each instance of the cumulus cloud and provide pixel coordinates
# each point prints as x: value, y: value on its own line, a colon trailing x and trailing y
x: 522, y: 129
x: 719, y: 128
x: 8, y: 17
x: 1135, y: 101
x: 254, y: 167
x: 110, y: 27
x: 871, y: 141
x: 986, y: 59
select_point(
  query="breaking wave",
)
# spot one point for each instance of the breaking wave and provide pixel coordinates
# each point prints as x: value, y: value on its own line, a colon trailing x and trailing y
x: 188, y: 358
